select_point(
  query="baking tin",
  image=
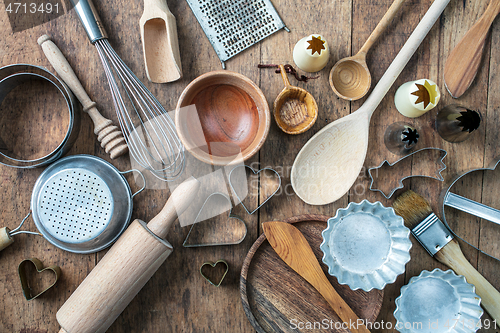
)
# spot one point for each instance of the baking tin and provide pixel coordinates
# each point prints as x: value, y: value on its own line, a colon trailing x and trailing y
x: 12, y: 76
x: 82, y: 203
x: 438, y: 302
x: 366, y: 245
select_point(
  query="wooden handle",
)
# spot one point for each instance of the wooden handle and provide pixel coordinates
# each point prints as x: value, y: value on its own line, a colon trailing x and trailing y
x: 179, y: 200
x: 110, y: 137
x: 451, y: 255
x: 381, y: 26
x: 5, y: 239
x: 491, y: 12
x: 343, y: 310
x: 152, y: 5
x: 284, y: 76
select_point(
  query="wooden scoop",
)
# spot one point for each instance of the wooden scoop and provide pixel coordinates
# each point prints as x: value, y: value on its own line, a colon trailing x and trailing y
x: 295, y: 109
x: 293, y: 248
x: 330, y: 162
x: 160, y: 43
x: 463, y: 62
x: 350, y: 77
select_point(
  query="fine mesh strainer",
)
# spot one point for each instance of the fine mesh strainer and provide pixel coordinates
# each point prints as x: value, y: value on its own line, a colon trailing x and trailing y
x: 82, y: 203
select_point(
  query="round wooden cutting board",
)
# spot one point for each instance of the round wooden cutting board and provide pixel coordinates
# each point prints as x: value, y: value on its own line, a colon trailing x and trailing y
x: 276, y: 299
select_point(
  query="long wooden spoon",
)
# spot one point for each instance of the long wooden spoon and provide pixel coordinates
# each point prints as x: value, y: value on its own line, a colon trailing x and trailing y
x: 160, y: 43
x: 350, y: 77
x: 293, y: 248
x: 329, y: 163
x: 463, y: 62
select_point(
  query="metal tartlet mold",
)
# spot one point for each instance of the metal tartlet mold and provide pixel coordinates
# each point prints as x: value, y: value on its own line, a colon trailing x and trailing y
x: 82, y: 203
x: 366, y: 245
x: 438, y: 302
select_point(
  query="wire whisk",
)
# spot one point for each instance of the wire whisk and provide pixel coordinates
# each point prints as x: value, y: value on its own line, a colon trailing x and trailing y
x: 148, y: 129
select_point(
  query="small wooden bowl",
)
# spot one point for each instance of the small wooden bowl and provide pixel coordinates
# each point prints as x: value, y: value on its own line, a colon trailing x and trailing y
x: 295, y: 109
x: 232, y: 117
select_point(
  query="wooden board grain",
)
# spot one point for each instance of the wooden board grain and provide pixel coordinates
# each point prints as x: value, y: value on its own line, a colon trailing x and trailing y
x: 276, y: 299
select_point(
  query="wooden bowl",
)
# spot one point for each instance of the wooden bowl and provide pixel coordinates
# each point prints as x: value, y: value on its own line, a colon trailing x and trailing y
x: 350, y: 78
x: 231, y: 117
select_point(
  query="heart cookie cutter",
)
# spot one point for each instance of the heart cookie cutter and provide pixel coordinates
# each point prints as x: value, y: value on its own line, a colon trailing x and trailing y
x: 437, y: 175
x: 231, y: 216
x: 39, y: 268
x: 213, y: 264
x: 255, y: 173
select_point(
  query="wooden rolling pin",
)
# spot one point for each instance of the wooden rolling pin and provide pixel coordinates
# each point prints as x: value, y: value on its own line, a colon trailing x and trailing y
x: 125, y: 269
x: 109, y: 135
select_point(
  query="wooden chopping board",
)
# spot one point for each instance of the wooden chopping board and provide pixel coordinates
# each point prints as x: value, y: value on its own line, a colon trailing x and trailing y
x: 276, y: 299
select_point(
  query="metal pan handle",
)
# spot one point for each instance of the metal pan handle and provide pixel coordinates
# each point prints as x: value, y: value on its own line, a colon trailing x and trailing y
x: 143, y: 180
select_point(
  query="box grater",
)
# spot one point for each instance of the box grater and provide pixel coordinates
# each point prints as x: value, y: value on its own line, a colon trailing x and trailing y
x: 234, y: 25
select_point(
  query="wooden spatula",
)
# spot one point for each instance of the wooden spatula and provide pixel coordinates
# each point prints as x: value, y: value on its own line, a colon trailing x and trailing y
x: 160, y: 43
x: 463, y: 62
x: 293, y: 248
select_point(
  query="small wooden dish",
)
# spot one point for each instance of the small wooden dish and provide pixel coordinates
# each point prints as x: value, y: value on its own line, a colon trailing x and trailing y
x: 350, y: 77
x: 231, y: 119
x: 295, y: 109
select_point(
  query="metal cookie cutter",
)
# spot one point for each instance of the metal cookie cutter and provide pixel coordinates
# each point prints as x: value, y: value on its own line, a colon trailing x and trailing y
x: 222, y: 241
x: 440, y: 167
x: 27, y: 291
x: 469, y: 206
x: 255, y: 173
x: 15, y: 75
x: 213, y: 264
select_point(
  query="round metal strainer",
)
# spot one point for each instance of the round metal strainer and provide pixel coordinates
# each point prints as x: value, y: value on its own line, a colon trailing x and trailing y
x: 82, y: 203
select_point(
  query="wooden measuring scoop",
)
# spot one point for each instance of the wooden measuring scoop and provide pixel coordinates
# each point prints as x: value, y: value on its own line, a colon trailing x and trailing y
x: 295, y: 109
x: 160, y: 43
x: 350, y: 77
x: 463, y: 62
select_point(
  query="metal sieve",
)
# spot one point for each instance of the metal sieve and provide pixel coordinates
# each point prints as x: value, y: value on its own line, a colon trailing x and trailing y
x: 14, y: 75
x: 82, y: 203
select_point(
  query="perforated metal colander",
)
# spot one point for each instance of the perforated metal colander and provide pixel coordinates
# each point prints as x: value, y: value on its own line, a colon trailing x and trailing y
x: 82, y: 203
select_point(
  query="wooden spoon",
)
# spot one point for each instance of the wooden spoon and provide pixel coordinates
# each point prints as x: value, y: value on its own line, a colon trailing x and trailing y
x: 160, y: 43
x: 463, y: 62
x: 293, y: 248
x: 350, y: 77
x: 295, y: 109
x: 330, y: 162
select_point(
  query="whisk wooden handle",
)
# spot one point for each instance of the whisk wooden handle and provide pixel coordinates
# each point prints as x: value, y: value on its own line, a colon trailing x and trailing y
x: 109, y: 135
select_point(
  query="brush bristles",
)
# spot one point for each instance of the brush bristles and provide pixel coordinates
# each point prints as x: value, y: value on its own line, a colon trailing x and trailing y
x: 412, y: 207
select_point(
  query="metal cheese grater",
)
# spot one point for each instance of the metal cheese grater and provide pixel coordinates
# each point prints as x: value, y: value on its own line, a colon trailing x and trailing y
x: 234, y: 25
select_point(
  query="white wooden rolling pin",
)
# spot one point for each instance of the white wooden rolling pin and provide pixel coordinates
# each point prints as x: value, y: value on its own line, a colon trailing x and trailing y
x: 109, y: 135
x: 125, y: 269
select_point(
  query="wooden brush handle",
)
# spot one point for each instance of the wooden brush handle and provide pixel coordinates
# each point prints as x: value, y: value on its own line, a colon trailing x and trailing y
x: 451, y: 255
x: 110, y: 136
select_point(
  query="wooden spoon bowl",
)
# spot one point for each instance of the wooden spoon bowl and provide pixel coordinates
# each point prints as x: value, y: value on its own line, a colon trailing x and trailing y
x: 295, y: 109
x: 231, y: 117
x: 350, y: 78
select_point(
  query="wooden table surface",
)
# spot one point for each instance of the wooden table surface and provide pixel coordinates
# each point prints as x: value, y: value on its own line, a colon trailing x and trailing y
x: 177, y: 298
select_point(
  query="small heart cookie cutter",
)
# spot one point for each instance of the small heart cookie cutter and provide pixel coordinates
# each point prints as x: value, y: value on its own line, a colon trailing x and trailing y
x: 255, y: 173
x: 231, y: 215
x: 213, y: 264
x: 39, y: 268
x: 437, y: 176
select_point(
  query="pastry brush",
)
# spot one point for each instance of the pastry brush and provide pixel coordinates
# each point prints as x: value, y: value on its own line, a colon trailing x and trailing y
x: 438, y: 240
